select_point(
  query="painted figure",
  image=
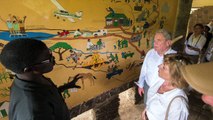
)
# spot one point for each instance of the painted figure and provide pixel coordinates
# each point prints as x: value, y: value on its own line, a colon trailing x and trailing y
x: 85, y: 76
x: 89, y: 44
x: 77, y: 33
x: 9, y: 23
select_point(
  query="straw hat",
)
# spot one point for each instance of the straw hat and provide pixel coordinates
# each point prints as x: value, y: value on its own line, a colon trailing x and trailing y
x: 200, y: 77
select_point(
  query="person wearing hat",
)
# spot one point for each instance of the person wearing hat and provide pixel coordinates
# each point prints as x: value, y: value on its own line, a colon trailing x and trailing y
x: 210, y: 25
x: 208, y: 56
x: 208, y: 36
x: 200, y: 77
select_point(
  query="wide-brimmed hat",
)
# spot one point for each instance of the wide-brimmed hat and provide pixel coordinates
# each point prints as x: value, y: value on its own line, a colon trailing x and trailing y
x: 200, y: 77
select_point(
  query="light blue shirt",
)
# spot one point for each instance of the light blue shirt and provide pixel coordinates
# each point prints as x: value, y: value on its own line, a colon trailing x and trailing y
x: 149, y: 72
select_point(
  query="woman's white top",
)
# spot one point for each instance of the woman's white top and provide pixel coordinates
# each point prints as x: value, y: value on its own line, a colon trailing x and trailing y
x: 157, y: 106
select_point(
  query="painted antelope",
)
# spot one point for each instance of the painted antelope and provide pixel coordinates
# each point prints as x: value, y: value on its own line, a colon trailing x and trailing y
x: 85, y: 76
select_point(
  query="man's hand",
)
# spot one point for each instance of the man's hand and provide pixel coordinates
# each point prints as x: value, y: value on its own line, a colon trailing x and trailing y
x: 140, y: 91
x: 193, y: 48
x: 72, y: 84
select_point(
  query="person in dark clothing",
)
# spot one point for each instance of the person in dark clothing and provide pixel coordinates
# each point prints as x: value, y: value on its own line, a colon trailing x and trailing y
x: 34, y: 96
x: 208, y: 36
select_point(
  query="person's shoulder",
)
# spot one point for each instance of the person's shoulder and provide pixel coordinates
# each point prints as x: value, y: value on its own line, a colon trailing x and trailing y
x: 189, y: 35
x: 180, y: 93
x: 179, y: 100
x: 171, y: 51
x: 151, y: 51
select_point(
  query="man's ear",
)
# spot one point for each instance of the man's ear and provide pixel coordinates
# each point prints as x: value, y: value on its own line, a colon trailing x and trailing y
x: 169, y: 42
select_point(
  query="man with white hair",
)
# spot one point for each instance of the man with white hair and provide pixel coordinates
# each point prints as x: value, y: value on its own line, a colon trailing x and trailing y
x: 149, y: 81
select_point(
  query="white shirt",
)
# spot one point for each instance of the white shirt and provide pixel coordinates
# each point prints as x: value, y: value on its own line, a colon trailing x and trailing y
x: 89, y: 45
x: 157, y: 106
x: 197, y: 42
x: 149, y: 71
x: 77, y: 33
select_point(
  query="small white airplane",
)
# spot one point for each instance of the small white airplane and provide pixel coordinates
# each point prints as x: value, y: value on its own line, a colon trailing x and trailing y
x: 69, y: 16
x: 61, y: 12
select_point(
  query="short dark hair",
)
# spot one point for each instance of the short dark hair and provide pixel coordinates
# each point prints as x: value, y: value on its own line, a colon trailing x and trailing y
x: 21, y: 53
x: 200, y: 25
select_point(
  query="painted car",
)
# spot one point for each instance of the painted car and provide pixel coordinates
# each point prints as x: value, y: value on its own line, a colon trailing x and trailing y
x: 101, y: 32
x: 126, y: 55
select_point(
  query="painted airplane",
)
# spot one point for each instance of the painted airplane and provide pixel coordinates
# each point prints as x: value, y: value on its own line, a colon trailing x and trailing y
x: 69, y: 16
x: 61, y: 12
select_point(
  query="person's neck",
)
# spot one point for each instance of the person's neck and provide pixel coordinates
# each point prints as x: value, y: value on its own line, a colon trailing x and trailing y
x: 161, y: 53
x: 196, y: 35
x: 38, y: 78
x: 165, y: 87
x: 30, y: 76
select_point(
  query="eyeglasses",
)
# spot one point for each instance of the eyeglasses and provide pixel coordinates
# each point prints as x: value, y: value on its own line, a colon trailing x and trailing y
x: 51, y: 59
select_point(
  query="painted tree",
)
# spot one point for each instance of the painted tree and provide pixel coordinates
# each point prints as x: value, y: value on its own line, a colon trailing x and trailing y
x: 4, y: 76
x: 60, y: 48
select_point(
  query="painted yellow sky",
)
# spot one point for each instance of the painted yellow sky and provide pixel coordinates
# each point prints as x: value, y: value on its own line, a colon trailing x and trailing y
x: 201, y: 3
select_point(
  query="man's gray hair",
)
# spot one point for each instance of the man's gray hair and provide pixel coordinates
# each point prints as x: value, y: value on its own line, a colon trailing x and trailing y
x: 165, y: 33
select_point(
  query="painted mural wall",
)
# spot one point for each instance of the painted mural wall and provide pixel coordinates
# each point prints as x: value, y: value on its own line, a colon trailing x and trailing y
x: 105, y: 40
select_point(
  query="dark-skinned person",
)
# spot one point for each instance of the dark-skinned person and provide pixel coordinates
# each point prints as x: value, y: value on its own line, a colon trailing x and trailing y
x: 34, y: 96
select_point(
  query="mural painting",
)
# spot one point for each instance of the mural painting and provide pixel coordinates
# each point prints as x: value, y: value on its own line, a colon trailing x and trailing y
x: 103, y: 40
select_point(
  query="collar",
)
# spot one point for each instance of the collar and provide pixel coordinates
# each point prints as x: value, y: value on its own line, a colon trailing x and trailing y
x: 31, y: 85
x: 167, y: 52
x: 193, y: 36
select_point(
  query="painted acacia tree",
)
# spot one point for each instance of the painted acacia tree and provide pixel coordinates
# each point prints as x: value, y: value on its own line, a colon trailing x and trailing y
x: 60, y: 48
